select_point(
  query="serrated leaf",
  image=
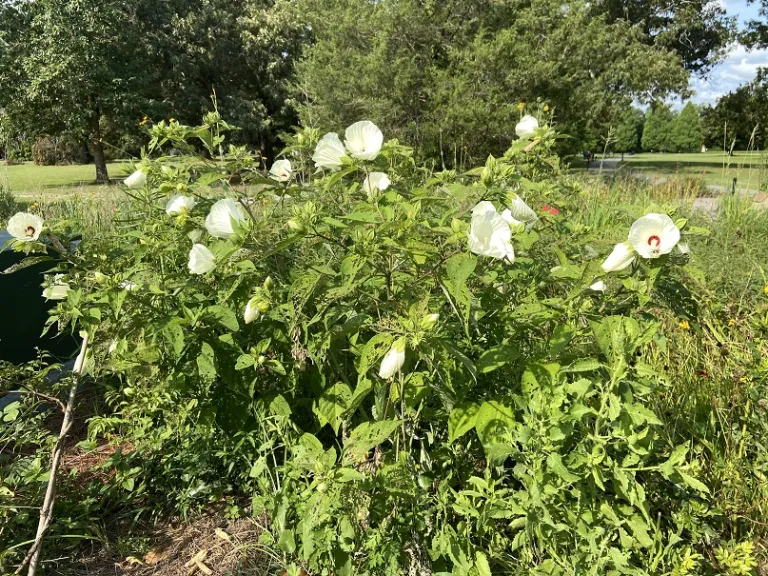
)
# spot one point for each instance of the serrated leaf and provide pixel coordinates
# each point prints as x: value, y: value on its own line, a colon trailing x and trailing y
x: 481, y: 565
x: 583, y: 365
x: 555, y: 464
x: 693, y: 482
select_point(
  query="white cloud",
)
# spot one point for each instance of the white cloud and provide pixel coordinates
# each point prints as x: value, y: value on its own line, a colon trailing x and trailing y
x: 739, y: 67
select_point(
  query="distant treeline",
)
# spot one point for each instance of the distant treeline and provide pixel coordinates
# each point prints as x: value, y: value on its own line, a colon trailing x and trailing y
x: 84, y: 79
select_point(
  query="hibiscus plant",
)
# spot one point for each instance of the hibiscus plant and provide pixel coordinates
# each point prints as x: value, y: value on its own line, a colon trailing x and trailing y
x: 407, y: 371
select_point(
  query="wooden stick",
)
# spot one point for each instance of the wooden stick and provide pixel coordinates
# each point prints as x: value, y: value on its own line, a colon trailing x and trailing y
x: 46, y: 512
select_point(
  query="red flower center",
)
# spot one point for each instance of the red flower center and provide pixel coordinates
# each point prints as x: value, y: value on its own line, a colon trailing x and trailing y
x: 29, y: 231
x: 654, y: 241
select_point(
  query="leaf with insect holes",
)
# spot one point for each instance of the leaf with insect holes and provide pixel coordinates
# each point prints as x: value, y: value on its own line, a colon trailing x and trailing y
x: 367, y: 436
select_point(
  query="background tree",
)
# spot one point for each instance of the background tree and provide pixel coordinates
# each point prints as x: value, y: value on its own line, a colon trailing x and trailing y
x: 739, y: 119
x: 448, y: 75
x: 657, y: 130
x: 76, y: 63
x: 686, y: 131
x: 697, y: 30
x: 96, y: 67
x: 628, y: 131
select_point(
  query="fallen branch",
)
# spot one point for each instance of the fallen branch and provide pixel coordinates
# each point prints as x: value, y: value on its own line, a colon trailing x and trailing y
x: 46, y: 512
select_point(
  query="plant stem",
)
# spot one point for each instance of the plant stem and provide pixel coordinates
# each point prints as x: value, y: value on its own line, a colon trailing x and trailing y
x: 46, y: 512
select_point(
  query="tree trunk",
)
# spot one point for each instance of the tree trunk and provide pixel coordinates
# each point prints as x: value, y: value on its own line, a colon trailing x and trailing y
x: 102, y: 176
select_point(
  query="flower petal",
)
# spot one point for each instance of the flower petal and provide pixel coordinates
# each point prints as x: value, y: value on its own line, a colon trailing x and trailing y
x: 393, y: 360
x: 621, y: 257
x: 25, y: 227
x: 223, y: 216
x: 526, y: 126
x: 281, y: 170
x: 363, y: 140
x: 376, y: 181
x: 653, y: 235
x: 329, y: 152
x: 522, y: 212
x: 136, y: 180
x: 201, y: 260
x: 178, y: 204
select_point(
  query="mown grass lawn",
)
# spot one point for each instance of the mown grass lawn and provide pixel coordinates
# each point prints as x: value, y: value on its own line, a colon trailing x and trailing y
x: 30, y: 181
x: 714, y: 168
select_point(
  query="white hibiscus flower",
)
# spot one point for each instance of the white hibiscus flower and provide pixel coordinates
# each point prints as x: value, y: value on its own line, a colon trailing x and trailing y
x: 201, y: 260
x: 654, y: 235
x: 224, y: 216
x: 489, y: 234
x: 25, y: 227
x: 526, y: 126
x: 393, y: 360
x: 363, y: 140
x: 136, y: 180
x: 329, y: 152
x: 179, y: 203
x: 281, y: 170
x: 375, y: 181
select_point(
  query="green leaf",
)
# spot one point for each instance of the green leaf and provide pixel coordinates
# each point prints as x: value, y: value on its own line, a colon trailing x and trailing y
x: 461, y: 420
x: 693, y: 482
x: 496, y: 357
x: 335, y: 223
x: 332, y: 405
x: 458, y: 269
x: 276, y: 366
x: 493, y: 421
x: 555, y: 463
x: 206, y: 366
x: 174, y: 334
x: 481, y: 565
x: 640, y: 530
x: 561, y: 338
x: 372, y: 351
x: 224, y: 316
x: 367, y: 436
x: 583, y: 365
x: 244, y: 361
x: 640, y: 414
x: 287, y: 542
x: 459, y: 355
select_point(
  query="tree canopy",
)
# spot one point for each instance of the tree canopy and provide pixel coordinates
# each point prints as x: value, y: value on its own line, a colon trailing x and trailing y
x: 628, y: 130
x: 78, y: 65
x: 450, y: 75
x: 657, y: 131
x: 739, y: 119
x: 686, y: 132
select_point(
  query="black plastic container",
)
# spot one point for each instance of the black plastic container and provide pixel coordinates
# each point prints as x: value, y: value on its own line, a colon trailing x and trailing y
x: 23, y: 312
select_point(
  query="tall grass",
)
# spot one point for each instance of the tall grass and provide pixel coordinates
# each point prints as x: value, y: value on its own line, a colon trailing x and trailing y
x: 716, y: 362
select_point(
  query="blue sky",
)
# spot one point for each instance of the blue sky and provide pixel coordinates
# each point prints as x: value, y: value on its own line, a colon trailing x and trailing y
x: 738, y: 67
